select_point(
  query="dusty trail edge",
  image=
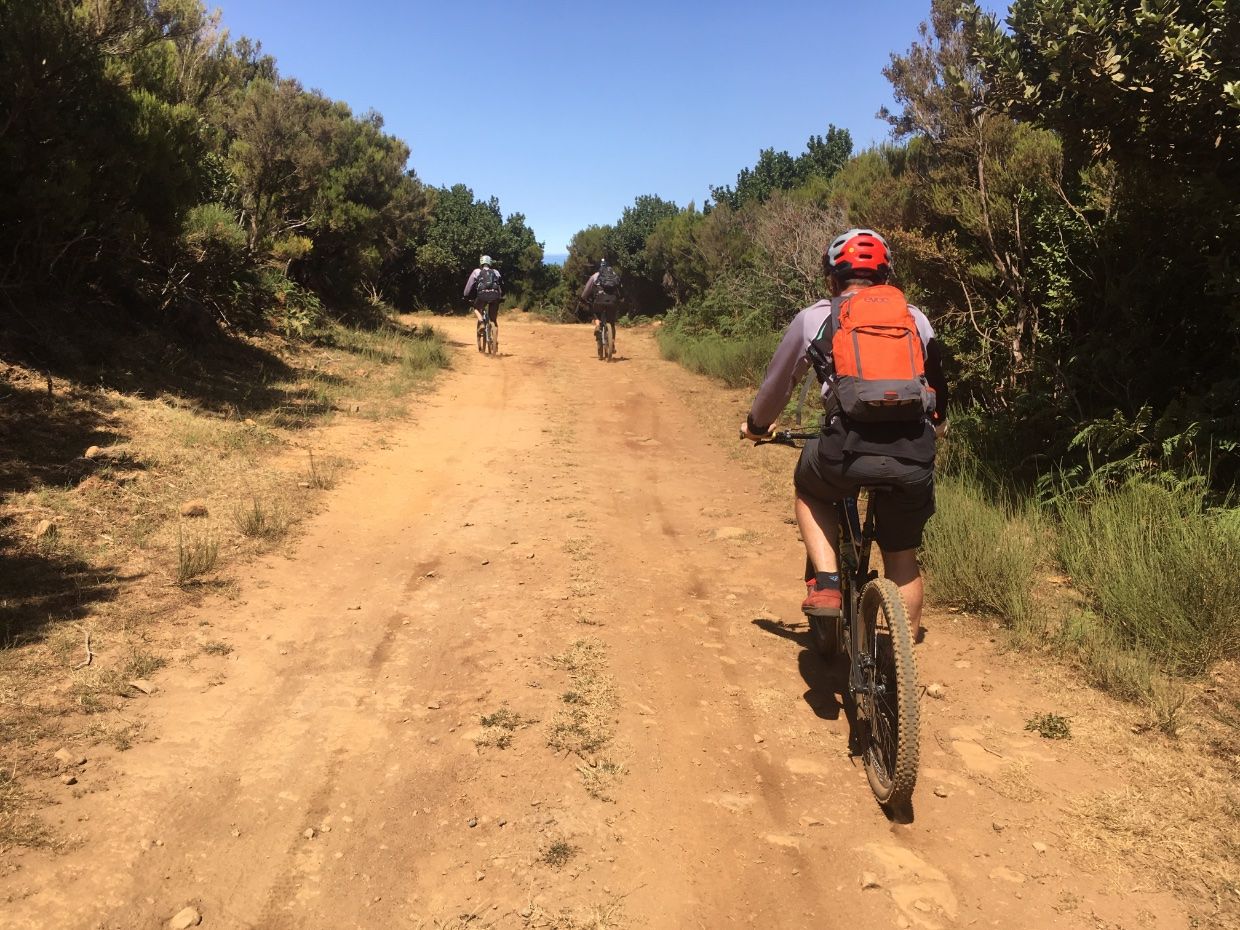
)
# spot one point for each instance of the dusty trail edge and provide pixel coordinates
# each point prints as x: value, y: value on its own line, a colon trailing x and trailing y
x: 539, y: 663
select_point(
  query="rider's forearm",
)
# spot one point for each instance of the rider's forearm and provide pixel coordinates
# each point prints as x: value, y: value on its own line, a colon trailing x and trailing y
x: 787, y: 366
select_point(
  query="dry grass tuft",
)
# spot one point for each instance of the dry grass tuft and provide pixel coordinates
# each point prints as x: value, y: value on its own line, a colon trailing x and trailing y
x: 1189, y: 838
x: 498, y: 728
x: 559, y: 853
x: 18, y: 827
x: 600, y: 778
x: 257, y: 520
x: 1013, y: 781
x: 606, y: 916
x: 585, y: 722
x: 197, y: 557
x: 323, y: 473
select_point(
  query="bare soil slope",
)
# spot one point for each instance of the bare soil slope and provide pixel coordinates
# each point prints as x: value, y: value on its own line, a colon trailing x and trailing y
x: 540, y: 664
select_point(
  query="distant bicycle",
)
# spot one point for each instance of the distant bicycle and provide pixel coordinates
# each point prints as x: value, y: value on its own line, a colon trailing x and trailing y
x: 605, y: 336
x: 488, y: 335
x: 873, y: 629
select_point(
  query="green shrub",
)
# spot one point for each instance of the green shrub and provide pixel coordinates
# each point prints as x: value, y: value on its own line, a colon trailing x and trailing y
x: 1160, y: 569
x: 737, y: 361
x: 981, y: 554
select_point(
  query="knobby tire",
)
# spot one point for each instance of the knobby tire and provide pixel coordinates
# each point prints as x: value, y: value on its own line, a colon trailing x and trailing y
x: 893, y: 716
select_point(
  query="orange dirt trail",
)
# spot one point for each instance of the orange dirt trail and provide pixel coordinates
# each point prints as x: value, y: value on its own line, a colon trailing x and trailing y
x: 535, y: 500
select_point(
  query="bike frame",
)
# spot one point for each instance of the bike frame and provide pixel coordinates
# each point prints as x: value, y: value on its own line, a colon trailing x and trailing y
x: 881, y: 684
x: 855, y: 544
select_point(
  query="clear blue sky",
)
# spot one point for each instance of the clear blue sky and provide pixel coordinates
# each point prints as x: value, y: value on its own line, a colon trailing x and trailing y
x: 567, y: 111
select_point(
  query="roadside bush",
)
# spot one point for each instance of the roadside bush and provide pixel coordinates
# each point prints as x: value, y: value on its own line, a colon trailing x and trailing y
x: 1160, y: 569
x: 981, y: 554
x: 737, y: 362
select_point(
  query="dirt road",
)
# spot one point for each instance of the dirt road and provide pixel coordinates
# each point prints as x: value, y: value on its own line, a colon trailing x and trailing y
x: 560, y: 546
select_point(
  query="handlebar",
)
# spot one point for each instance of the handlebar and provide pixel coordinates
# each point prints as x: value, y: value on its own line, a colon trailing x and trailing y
x: 786, y: 437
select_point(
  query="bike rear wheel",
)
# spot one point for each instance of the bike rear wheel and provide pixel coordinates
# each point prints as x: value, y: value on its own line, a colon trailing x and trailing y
x: 609, y: 347
x: 492, y: 338
x: 482, y: 338
x: 887, y: 694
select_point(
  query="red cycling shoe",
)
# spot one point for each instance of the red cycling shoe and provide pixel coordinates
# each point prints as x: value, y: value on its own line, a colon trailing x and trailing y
x: 827, y: 603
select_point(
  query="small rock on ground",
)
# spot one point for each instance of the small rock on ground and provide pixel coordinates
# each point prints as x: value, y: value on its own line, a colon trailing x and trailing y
x: 141, y: 684
x: 185, y: 919
x: 68, y: 779
x: 45, y: 531
x: 936, y: 690
x: 869, y: 880
x: 65, y: 757
x: 940, y: 791
x: 1039, y: 847
x: 194, y: 508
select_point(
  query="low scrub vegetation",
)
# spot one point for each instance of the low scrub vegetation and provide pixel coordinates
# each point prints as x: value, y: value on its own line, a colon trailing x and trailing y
x: 737, y: 361
x: 1160, y: 569
x: 983, y: 555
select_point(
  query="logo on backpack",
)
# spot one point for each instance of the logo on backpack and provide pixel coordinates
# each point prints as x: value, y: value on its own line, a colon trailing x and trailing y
x: 488, y: 289
x: 870, y: 352
x: 607, y: 287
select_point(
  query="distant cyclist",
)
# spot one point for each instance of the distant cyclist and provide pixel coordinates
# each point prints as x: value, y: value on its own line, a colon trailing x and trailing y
x: 485, y: 286
x: 602, y: 295
x: 886, y: 401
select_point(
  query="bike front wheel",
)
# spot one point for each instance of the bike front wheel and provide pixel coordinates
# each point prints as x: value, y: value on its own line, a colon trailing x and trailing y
x: 887, y: 694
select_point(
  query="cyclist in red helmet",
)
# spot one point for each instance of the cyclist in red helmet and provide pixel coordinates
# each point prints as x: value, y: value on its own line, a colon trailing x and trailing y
x: 857, y: 449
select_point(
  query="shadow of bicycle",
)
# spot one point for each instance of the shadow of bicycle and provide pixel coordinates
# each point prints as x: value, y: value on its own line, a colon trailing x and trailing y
x: 827, y: 694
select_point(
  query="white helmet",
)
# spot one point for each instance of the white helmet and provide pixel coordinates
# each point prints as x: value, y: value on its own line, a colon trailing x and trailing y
x: 485, y: 260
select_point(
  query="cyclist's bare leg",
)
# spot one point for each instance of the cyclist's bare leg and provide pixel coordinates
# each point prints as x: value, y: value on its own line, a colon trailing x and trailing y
x: 820, y: 530
x: 902, y: 568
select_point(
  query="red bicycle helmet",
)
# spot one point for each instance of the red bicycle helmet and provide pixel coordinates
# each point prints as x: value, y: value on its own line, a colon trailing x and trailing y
x: 858, y: 253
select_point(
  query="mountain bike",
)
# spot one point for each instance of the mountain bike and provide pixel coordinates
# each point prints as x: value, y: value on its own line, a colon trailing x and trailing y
x: 873, y: 629
x: 605, y: 336
x: 488, y: 334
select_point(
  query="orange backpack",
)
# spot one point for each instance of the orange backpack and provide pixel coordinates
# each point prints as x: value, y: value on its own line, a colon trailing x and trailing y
x: 869, y: 350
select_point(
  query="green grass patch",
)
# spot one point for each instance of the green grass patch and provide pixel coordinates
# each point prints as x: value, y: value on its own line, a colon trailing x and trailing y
x: 1049, y: 726
x: 982, y: 554
x: 1159, y: 569
x: 736, y: 361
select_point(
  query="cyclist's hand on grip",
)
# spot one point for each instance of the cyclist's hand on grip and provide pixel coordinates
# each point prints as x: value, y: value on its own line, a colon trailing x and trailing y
x: 747, y: 433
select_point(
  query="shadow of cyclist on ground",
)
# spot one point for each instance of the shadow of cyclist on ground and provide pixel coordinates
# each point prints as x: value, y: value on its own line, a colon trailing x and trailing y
x: 827, y: 680
x: 828, y: 689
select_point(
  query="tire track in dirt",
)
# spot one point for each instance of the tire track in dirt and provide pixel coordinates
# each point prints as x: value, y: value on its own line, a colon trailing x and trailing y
x: 540, y: 499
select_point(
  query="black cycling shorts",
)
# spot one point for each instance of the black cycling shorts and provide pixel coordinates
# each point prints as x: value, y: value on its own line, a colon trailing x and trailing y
x: 491, y: 308
x: 900, y: 511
